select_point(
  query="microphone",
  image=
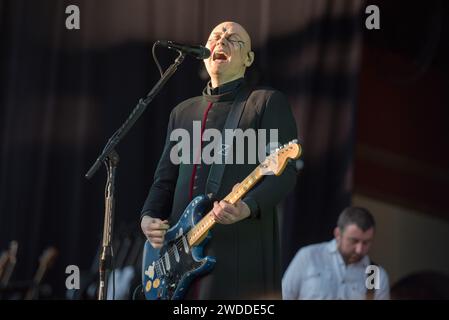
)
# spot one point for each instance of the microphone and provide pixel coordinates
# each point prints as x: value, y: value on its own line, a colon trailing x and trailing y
x: 197, y: 51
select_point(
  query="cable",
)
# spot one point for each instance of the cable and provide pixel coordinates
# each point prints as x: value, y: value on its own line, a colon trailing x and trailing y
x: 135, y: 291
x: 113, y: 273
x: 155, y: 58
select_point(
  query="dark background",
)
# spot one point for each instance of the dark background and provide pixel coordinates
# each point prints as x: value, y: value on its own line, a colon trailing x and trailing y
x: 371, y: 109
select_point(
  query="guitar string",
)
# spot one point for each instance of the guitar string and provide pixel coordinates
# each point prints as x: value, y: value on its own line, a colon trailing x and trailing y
x: 179, y: 241
x: 251, y: 178
x: 179, y: 247
x: 170, y: 251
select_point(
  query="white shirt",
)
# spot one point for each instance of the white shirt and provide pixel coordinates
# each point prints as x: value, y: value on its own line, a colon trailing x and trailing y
x: 319, y: 272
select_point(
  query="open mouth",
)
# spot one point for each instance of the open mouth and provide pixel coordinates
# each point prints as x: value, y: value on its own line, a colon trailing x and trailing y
x: 219, y: 56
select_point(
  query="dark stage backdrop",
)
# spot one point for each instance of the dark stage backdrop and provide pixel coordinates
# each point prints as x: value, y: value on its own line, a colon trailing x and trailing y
x: 64, y: 92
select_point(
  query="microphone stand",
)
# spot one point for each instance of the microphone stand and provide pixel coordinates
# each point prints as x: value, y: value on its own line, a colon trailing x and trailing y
x: 110, y: 158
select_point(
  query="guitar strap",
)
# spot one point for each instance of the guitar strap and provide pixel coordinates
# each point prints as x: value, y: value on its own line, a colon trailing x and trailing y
x: 217, y: 170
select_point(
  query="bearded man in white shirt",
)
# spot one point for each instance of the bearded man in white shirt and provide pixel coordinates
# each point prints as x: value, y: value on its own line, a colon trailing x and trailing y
x: 338, y: 269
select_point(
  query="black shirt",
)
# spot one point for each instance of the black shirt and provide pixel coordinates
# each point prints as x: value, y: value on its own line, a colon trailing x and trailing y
x: 247, y: 252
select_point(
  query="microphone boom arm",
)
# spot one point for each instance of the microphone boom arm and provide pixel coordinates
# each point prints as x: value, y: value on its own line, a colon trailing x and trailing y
x: 135, y: 115
x: 110, y: 157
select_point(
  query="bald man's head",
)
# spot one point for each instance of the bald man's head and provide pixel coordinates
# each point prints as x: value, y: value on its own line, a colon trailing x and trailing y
x: 230, y: 46
x: 236, y: 27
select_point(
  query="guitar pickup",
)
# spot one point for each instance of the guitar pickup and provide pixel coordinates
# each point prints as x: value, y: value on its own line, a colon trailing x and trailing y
x: 167, y: 261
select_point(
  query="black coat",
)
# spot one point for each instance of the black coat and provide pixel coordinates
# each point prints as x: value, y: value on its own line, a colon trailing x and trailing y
x: 247, y: 252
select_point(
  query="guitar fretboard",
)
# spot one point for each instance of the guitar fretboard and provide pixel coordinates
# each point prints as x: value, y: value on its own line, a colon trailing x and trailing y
x: 199, y: 231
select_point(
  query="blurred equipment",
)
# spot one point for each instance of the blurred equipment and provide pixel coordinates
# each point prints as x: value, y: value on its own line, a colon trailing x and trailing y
x: 45, y: 262
x: 8, y: 261
x: 126, y: 267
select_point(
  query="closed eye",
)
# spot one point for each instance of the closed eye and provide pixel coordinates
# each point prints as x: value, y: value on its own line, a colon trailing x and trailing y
x: 239, y: 42
x: 230, y: 39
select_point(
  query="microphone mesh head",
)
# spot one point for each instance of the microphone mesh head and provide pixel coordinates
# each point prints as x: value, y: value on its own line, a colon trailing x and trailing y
x: 205, y: 53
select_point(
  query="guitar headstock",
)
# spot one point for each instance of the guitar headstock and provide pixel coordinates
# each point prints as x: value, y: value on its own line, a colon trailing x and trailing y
x: 276, y: 162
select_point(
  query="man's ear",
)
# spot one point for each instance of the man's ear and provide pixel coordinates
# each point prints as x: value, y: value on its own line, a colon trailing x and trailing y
x: 337, y: 233
x: 249, y: 59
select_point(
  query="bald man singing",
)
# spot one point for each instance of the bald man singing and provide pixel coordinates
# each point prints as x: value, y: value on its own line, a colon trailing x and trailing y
x: 245, y: 241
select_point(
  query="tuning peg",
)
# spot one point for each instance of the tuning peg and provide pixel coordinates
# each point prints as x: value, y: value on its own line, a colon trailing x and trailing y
x: 277, y: 149
x: 290, y: 143
x: 295, y: 141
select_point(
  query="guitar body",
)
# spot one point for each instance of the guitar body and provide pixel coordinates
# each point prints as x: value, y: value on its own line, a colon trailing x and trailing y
x: 168, y: 271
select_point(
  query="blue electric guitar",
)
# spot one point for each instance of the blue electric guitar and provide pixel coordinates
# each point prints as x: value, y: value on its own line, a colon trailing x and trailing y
x: 168, y: 271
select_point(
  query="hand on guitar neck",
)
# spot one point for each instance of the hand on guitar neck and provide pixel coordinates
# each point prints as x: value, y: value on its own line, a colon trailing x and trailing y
x: 174, y: 256
x: 226, y: 213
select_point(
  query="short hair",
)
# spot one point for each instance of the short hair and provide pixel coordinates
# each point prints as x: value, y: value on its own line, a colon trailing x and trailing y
x: 359, y: 216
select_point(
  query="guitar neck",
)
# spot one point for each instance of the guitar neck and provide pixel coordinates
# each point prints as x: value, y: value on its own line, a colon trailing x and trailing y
x: 3, y: 263
x: 6, y: 273
x: 8, y: 262
x: 31, y: 293
x: 199, y: 231
x: 46, y: 260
